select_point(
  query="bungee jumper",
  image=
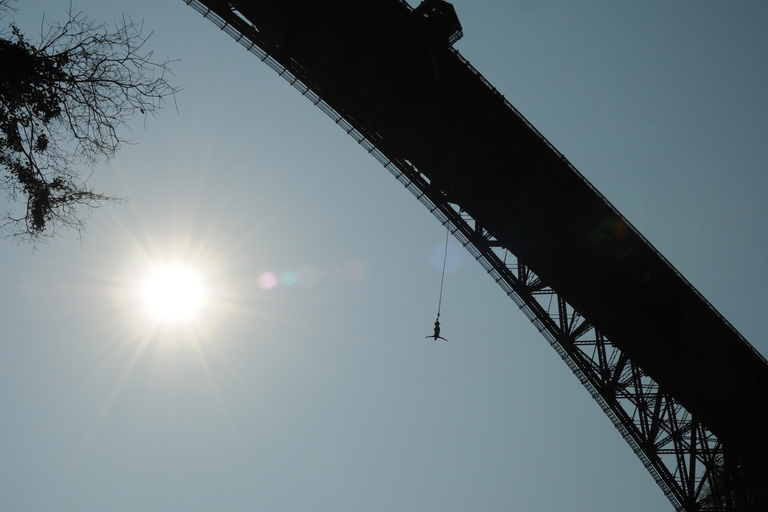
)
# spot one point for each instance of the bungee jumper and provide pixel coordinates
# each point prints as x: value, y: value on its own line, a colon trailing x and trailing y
x: 436, y: 335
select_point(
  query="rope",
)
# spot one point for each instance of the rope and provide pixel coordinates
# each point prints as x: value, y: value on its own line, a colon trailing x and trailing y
x: 442, y: 277
x: 450, y: 193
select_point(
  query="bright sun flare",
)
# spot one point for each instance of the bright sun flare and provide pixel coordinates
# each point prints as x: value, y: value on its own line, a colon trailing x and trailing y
x: 174, y: 293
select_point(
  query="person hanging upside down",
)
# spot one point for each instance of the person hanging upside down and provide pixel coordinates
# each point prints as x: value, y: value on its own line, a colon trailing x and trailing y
x: 436, y: 334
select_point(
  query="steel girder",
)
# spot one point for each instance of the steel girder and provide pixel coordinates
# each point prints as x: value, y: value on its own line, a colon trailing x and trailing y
x: 687, y: 461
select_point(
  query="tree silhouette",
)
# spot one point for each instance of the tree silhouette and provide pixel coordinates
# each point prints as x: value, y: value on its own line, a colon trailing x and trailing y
x: 62, y: 102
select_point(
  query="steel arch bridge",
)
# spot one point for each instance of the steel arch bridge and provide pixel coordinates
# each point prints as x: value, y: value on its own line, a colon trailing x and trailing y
x: 686, y: 391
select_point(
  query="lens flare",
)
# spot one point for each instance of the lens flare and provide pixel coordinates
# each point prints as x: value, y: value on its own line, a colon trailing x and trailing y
x: 268, y: 280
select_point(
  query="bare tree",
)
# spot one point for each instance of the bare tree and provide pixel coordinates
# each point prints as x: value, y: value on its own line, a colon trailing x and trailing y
x: 63, y: 101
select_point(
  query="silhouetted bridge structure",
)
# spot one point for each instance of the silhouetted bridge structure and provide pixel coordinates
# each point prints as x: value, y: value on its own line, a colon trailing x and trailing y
x: 685, y: 389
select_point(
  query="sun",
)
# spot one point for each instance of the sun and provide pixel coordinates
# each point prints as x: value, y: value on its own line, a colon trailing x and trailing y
x: 174, y: 293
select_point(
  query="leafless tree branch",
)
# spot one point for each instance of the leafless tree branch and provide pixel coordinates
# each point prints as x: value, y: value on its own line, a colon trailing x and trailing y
x: 63, y: 106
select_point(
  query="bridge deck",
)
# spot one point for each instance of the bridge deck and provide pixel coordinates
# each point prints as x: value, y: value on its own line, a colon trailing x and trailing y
x: 393, y: 75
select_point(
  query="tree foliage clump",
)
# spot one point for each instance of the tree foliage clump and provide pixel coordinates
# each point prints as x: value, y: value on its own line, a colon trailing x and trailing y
x: 63, y: 100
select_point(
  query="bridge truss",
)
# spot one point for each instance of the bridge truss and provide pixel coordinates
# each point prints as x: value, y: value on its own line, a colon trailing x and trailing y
x: 693, y: 468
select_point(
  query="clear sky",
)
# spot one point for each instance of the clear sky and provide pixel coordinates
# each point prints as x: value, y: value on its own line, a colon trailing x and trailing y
x: 318, y: 391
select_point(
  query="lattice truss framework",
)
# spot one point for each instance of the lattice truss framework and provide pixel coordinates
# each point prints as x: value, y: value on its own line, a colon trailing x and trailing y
x: 685, y: 459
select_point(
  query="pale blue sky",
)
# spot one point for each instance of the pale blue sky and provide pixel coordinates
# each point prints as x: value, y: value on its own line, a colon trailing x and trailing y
x: 324, y: 395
